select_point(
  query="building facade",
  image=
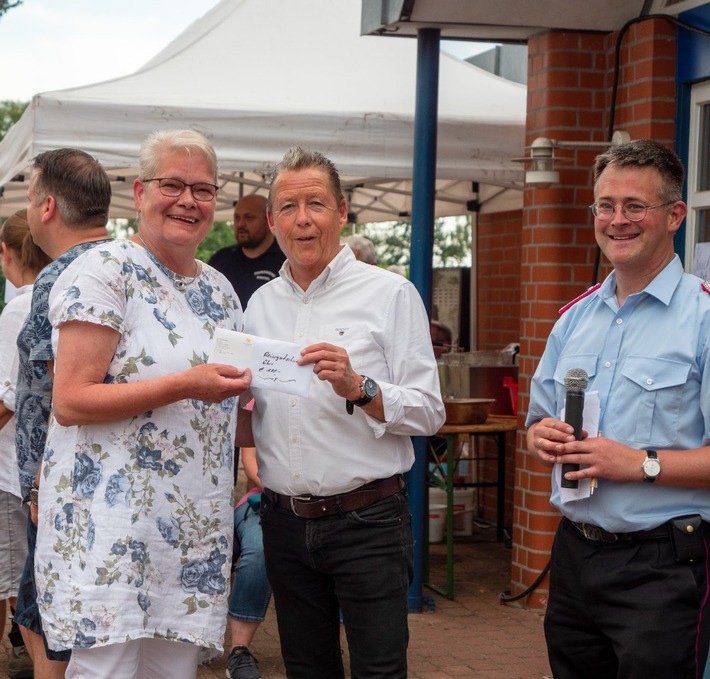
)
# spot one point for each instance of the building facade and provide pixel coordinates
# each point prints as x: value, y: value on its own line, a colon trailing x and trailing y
x: 648, y: 75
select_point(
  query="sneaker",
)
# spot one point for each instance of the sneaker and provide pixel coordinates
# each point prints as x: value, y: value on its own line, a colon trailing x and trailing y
x: 242, y: 664
x: 20, y: 664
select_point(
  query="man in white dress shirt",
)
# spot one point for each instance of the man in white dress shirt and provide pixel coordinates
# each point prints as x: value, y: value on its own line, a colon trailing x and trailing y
x: 335, y: 511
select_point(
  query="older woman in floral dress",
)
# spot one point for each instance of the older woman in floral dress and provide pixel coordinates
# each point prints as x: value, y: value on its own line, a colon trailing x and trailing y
x: 134, y: 547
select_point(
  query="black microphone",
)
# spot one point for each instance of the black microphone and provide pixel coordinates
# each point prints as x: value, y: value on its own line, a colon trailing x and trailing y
x: 576, y: 381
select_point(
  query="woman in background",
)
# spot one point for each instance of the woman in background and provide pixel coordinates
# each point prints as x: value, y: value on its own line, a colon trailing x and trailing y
x: 22, y: 260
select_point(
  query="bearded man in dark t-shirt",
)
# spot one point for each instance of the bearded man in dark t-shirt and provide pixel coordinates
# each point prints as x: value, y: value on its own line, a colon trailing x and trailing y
x: 256, y: 258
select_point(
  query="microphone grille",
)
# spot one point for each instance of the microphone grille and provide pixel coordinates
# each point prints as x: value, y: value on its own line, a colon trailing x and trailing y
x: 576, y: 379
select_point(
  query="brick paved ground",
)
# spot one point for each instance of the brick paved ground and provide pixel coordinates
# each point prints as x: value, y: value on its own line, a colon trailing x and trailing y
x: 472, y: 636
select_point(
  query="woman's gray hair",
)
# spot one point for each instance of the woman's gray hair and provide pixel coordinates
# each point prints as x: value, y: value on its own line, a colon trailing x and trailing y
x: 298, y: 158
x: 163, y: 142
x: 362, y: 247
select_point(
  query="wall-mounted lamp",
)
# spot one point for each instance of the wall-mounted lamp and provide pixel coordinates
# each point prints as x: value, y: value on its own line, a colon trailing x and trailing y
x: 540, y: 171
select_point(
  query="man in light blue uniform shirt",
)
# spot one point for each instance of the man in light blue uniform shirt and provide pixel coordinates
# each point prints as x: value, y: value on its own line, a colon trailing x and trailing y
x: 628, y: 584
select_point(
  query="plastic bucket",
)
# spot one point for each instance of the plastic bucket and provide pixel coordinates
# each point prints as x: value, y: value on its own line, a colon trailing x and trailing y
x: 463, y: 508
x: 437, y: 521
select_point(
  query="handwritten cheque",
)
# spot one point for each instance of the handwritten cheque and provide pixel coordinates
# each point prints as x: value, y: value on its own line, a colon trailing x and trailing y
x: 273, y: 364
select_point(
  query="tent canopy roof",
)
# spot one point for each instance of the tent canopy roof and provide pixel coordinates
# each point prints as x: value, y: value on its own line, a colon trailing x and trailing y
x: 258, y: 76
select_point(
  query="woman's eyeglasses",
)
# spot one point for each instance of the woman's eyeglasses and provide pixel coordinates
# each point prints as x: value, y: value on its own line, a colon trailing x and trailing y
x: 172, y: 188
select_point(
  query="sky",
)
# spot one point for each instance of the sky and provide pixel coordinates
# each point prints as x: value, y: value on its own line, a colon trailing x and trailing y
x: 48, y: 45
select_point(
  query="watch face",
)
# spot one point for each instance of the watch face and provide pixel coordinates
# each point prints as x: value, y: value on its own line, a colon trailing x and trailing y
x: 651, y: 467
x: 370, y: 388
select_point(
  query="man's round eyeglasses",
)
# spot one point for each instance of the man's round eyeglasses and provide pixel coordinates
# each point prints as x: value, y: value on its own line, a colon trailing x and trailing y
x: 634, y: 212
x: 172, y: 188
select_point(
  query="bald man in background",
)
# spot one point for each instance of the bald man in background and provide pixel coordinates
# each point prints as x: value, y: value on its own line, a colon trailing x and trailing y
x: 256, y: 257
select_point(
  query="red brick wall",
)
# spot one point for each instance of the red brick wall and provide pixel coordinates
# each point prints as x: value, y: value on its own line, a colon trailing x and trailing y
x: 569, y: 92
x: 498, y: 281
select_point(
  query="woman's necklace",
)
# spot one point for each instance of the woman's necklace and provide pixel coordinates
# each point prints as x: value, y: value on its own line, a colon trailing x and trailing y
x: 179, y: 281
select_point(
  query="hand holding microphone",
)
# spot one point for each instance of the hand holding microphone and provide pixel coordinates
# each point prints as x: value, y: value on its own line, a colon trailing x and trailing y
x: 576, y: 381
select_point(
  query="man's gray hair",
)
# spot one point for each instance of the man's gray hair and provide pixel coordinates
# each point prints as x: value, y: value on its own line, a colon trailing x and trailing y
x: 298, y: 158
x: 646, y: 153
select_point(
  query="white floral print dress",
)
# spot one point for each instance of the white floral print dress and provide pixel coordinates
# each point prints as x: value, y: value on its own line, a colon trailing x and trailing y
x: 135, y: 528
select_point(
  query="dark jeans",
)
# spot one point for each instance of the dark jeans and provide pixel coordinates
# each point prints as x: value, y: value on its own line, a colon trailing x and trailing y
x: 624, y: 610
x: 359, y: 563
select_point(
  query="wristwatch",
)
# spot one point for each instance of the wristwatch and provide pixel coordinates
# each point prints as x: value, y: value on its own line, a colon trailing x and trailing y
x: 368, y: 391
x: 651, y: 466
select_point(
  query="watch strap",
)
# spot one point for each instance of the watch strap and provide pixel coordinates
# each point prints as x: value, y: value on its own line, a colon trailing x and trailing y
x: 361, y: 401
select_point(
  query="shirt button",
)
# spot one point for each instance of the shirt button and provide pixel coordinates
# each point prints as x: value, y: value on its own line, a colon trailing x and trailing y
x: 293, y: 402
x: 306, y: 300
x: 607, y: 364
x: 300, y: 334
x: 619, y: 321
x: 649, y: 381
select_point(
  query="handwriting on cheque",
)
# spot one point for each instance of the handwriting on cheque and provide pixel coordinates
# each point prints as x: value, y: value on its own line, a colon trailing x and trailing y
x: 274, y: 364
x: 271, y: 367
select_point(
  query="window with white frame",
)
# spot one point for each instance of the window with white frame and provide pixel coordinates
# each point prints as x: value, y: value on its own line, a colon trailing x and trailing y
x: 697, y: 253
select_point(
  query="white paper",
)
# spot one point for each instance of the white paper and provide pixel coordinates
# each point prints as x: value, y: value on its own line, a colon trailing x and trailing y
x: 273, y: 364
x: 590, y: 424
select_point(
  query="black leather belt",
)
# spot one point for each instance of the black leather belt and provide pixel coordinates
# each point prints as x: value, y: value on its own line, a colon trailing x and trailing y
x: 598, y: 534
x: 315, y: 507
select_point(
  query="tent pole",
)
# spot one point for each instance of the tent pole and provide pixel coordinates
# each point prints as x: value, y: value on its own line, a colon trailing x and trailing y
x: 422, y: 248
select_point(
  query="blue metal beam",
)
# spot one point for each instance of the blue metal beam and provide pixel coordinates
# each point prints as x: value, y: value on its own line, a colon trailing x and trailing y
x: 422, y: 248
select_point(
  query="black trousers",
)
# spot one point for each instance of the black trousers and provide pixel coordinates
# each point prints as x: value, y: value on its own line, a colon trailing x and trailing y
x: 358, y: 562
x: 625, y: 610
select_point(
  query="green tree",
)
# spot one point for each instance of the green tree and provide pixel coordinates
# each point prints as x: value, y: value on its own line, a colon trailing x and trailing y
x: 10, y: 112
x: 221, y: 236
x: 452, y: 242
x: 6, y: 5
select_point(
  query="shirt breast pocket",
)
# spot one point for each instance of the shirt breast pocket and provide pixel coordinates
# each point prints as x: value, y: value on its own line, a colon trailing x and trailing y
x: 648, y: 400
x: 353, y: 338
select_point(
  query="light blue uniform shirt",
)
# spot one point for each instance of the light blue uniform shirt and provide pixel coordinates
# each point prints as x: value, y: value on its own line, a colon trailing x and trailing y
x: 648, y: 362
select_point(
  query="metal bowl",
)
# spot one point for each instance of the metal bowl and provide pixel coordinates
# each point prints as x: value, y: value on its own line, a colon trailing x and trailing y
x: 467, y: 410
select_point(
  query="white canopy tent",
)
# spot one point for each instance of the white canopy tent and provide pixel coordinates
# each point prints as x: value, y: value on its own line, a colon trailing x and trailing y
x: 258, y: 76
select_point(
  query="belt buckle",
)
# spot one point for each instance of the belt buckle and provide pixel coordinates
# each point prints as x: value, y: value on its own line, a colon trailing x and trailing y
x: 592, y: 532
x: 298, y: 498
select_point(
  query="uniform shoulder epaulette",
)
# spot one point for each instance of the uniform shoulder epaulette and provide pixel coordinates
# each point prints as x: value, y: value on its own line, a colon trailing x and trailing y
x: 586, y: 293
x: 705, y: 285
